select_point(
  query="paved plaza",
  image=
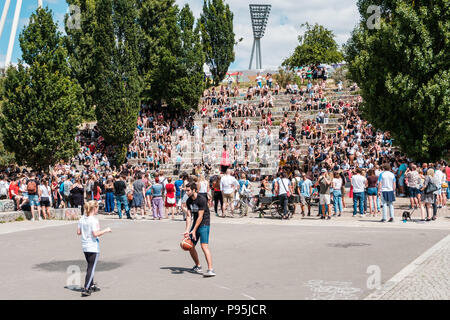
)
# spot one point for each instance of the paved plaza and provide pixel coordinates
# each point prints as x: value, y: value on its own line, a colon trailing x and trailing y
x: 254, y: 259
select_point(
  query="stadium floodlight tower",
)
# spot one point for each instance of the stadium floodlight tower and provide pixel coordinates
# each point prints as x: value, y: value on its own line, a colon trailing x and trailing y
x: 15, y: 24
x: 259, y: 14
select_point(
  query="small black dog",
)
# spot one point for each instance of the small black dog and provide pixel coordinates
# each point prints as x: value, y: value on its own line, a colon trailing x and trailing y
x: 406, y: 215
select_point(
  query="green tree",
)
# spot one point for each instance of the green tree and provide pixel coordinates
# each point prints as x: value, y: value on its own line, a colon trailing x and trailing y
x: 119, y: 85
x: 41, y: 104
x: 216, y: 25
x: 316, y: 46
x: 403, y: 70
x: 173, y: 65
x: 159, y: 43
x: 81, y: 47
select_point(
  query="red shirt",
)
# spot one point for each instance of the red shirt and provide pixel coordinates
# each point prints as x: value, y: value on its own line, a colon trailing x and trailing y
x: 13, y: 187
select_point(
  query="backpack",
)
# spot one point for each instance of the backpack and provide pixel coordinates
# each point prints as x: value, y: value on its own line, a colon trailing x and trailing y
x: 31, y: 186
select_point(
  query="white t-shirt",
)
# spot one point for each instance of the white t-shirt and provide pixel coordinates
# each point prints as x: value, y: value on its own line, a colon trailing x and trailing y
x: 203, y: 187
x: 88, y: 241
x: 387, y: 180
x: 45, y: 191
x: 358, y: 183
x: 283, y: 185
x: 337, y: 183
x: 226, y: 184
x: 439, y: 176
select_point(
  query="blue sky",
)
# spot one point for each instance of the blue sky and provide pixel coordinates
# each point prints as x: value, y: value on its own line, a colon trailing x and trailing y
x: 280, y: 39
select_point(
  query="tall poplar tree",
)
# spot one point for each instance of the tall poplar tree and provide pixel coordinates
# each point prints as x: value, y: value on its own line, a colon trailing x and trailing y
x: 216, y: 25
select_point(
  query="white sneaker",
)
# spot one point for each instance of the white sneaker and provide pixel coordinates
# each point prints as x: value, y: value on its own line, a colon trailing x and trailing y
x: 209, y: 273
x: 40, y: 219
x: 32, y: 219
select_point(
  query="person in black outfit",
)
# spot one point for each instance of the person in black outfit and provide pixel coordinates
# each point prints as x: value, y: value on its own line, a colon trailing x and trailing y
x: 77, y: 195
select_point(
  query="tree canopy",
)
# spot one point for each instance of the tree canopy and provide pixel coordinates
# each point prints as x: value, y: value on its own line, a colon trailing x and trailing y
x: 41, y: 104
x: 403, y: 70
x: 316, y: 46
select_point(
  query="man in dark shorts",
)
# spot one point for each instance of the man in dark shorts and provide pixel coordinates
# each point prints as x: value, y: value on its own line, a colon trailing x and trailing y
x: 198, y: 212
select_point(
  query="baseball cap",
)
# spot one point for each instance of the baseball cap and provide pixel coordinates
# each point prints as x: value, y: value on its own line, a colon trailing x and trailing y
x: 323, y: 170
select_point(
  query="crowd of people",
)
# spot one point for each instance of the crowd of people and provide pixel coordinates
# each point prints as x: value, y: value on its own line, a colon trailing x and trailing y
x: 313, y: 162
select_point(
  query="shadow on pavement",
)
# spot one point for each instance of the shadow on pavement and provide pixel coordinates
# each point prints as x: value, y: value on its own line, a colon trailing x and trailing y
x: 178, y: 270
x: 63, y: 266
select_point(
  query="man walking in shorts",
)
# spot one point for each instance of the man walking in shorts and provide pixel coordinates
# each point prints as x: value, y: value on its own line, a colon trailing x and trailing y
x: 198, y: 212
x: 228, y: 183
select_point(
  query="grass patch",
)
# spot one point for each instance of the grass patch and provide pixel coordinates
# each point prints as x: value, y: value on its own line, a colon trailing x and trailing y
x: 20, y: 218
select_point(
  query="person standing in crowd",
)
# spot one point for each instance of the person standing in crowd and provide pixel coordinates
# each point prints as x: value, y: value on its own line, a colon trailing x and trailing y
x: 440, y: 179
x: 244, y: 193
x: 447, y: 174
x: 401, y: 177
x: 228, y: 184
x: 283, y: 189
x: 203, y: 187
x: 121, y: 197
x: 295, y: 185
x: 77, y: 195
x: 198, y: 228
x: 178, y: 186
x: 34, y: 194
x: 337, y: 195
x: 45, y: 201
x: 67, y: 186
x: 306, y: 187
x: 157, y: 202
x: 138, y: 195
x: 429, y: 196
x: 412, y: 178
x: 372, y: 191
x: 217, y: 193
x: 324, y: 185
x: 170, y: 203
x: 359, y: 183
x: 386, y: 190
x: 89, y: 230
x: 109, y: 201
x: 56, y: 195
x: 225, y: 161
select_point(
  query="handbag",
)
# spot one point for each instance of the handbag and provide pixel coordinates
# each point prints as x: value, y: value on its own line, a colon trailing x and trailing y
x: 445, y: 185
x: 431, y: 187
x: 170, y: 200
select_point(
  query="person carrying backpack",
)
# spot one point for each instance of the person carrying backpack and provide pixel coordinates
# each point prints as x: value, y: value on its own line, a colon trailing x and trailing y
x: 34, y: 195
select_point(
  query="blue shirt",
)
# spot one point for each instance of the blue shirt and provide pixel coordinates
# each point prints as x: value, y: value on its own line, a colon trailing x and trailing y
x: 157, y: 190
x: 178, y: 185
x: 305, y: 187
x: 402, y: 169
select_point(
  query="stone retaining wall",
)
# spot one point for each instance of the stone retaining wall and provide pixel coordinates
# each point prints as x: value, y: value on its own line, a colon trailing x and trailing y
x: 57, y: 214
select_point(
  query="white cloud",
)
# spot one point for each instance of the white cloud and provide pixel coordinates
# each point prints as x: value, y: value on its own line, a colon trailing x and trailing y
x: 283, y: 27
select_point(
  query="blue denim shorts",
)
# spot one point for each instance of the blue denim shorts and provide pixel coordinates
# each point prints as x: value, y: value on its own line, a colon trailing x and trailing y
x: 372, y: 191
x: 202, y: 234
x: 33, y: 200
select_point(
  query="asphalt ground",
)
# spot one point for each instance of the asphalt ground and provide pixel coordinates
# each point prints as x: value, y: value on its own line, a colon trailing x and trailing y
x: 253, y: 259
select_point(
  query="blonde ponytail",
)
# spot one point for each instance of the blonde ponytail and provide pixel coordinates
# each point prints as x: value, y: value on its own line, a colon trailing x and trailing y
x: 89, y: 207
